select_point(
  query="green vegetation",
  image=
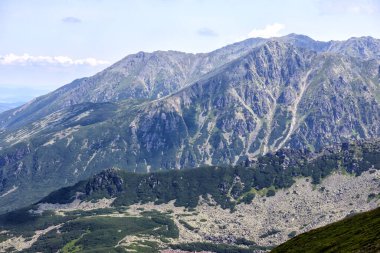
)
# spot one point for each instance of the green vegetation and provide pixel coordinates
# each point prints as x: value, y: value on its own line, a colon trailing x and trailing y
x: 270, y: 193
x: 3, y: 238
x: 71, y: 246
x: 292, y: 234
x: 373, y: 196
x: 243, y: 241
x: 88, y: 231
x: 217, y: 248
x: 187, y: 225
x: 247, y: 198
x: 270, y: 233
x: 25, y: 222
x: 91, y: 234
x: 143, y: 246
x: 268, y: 173
x: 281, y: 121
x: 359, y: 233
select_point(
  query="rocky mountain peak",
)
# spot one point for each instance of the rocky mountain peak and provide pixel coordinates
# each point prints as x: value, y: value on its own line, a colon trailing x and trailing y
x: 361, y: 47
x: 108, y: 180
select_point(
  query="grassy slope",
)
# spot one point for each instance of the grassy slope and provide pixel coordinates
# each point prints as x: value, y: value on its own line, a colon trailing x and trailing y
x: 91, y: 232
x: 359, y: 233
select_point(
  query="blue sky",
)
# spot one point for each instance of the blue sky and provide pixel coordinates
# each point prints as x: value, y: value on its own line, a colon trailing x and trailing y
x: 45, y: 44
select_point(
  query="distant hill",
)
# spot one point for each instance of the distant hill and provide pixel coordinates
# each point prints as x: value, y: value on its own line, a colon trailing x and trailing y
x: 8, y: 106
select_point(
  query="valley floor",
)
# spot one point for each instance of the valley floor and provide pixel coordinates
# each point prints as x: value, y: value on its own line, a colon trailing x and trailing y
x: 267, y: 221
x: 270, y: 221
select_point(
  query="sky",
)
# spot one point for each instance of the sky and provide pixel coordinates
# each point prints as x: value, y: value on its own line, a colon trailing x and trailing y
x: 45, y: 44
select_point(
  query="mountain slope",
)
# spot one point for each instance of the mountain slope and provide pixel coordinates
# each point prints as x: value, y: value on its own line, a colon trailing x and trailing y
x: 276, y: 170
x: 137, y: 76
x: 276, y: 95
x: 359, y: 233
x: 212, y: 208
x: 157, y: 74
x: 363, y: 47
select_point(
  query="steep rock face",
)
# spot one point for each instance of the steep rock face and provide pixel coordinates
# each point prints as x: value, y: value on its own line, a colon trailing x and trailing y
x: 275, y: 96
x: 342, y: 102
x: 219, y: 118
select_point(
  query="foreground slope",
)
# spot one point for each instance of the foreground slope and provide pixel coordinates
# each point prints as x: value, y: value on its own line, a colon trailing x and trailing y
x: 248, y: 208
x: 274, y: 95
x: 359, y: 233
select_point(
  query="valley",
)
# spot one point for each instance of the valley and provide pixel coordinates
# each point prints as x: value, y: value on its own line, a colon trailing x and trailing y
x: 212, y: 209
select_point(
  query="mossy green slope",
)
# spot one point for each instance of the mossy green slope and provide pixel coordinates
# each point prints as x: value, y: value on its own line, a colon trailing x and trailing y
x: 359, y: 233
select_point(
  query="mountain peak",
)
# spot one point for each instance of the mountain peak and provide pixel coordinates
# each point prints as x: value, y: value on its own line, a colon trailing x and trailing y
x: 298, y: 36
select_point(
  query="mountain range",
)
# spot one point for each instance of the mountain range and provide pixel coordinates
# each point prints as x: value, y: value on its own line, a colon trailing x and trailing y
x: 173, y: 110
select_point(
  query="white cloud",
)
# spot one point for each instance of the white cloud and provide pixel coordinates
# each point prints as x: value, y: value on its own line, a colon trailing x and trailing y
x: 272, y: 30
x: 26, y: 59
